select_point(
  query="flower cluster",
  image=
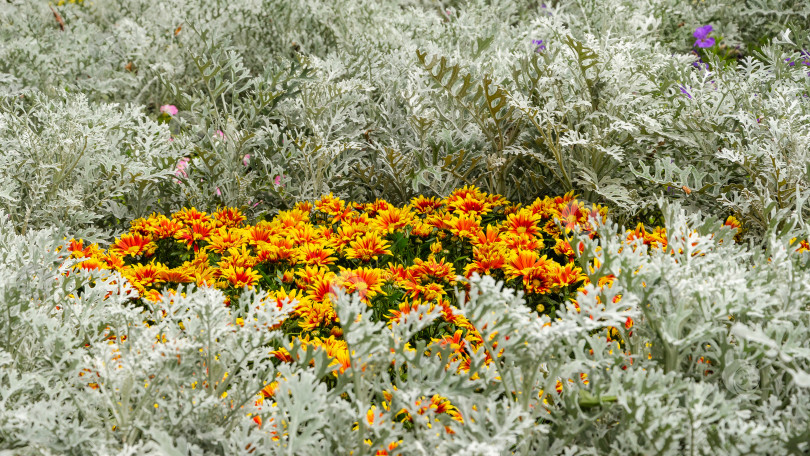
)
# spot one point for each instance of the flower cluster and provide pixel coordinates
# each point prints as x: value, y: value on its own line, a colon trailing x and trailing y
x: 395, y: 258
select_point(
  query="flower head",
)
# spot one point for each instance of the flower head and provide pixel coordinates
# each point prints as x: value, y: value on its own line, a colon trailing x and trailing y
x: 169, y: 109
x: 703, y: 38
x: 540, y: 46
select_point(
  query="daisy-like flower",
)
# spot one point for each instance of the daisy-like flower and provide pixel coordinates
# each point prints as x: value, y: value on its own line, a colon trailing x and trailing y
x: 392, y: 219
x: 329, y: 204
x: 239, y: 277
x: 193, y: 234
x: 562, y: 276
x: 187, y: 216
x: 314, y: 254
x: 133, y: 245
x: 520, y: 262
x: 430, y: 270
x: 470, y: 204
x: 366, y: 282
x: 487, y: 258
x: 424, y: 205
x: 523, y: 223
x: 465, y: 226
x: 143, y: 276
x: 228, y: 217
x: 91, y: 264
x: 223, y: 239
x: 368, y: 247
x: 176, y: 275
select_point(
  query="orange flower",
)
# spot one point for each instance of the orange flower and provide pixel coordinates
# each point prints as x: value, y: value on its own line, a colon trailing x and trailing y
x: 469, y: 204
x: 239, y: 277
x: 241, y: 257
x: 291, y: 219
x: 278, y: 250
x: 523, y: 223
x: 522, y: 261
x: 90, y: 264
x: 224, y: 239
x: 392, y: 219
x: 322, y: 289
x: 331, y: 205
x: 133, y: 245
x: 465, y: 193
x: 368, y: 247
x: 315, y: 313
x: 423, y: 205
x: 187, y: 216
x: 465, y: 226
x: 258, y: 235
x: 490, y: 236
x: 432, y: 270
x: 165, y: 228
x: 192, y: 234
x: 314, y: 254
x: 564, y: 276
x: 78, y: 250
x: 228, y: 217
x: 486, y: 259
x: 570, y: 215
x: 142, y: 276
x: 367, y: 282
x: 176, y: 275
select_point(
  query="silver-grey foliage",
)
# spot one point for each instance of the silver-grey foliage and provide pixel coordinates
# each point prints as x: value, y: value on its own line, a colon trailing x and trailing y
x: 284, y: 100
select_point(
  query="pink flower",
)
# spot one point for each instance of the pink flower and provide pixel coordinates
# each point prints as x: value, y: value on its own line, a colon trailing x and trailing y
x: 221, y: 134
x: 169, y: 109
x: 277, y: 181
x: 246, y: 159
x: 182, y: 165
x: 219, y: 193
x: 180, y: 170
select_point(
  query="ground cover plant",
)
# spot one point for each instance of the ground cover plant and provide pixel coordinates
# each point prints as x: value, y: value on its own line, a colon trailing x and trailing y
x: 404, y: 227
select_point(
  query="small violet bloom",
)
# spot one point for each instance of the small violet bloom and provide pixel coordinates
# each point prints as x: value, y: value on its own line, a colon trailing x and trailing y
x: 685, y: 92
x: 703, y: 38
x: 169, y: 109
x: 540, y: 46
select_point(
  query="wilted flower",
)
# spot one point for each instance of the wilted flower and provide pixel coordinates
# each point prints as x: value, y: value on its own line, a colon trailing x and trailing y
x: 703, y: 38
x: 169, y: 109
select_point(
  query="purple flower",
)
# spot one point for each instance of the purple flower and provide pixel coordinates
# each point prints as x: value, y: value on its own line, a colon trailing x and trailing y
x: 703, y: 38
x: 702, y: 32
x: 539, y: 44
x: 685, y: 92
x: 705, y: 42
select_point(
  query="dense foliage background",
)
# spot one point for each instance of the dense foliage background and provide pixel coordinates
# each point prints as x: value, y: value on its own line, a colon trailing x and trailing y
x: 632, y: 104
